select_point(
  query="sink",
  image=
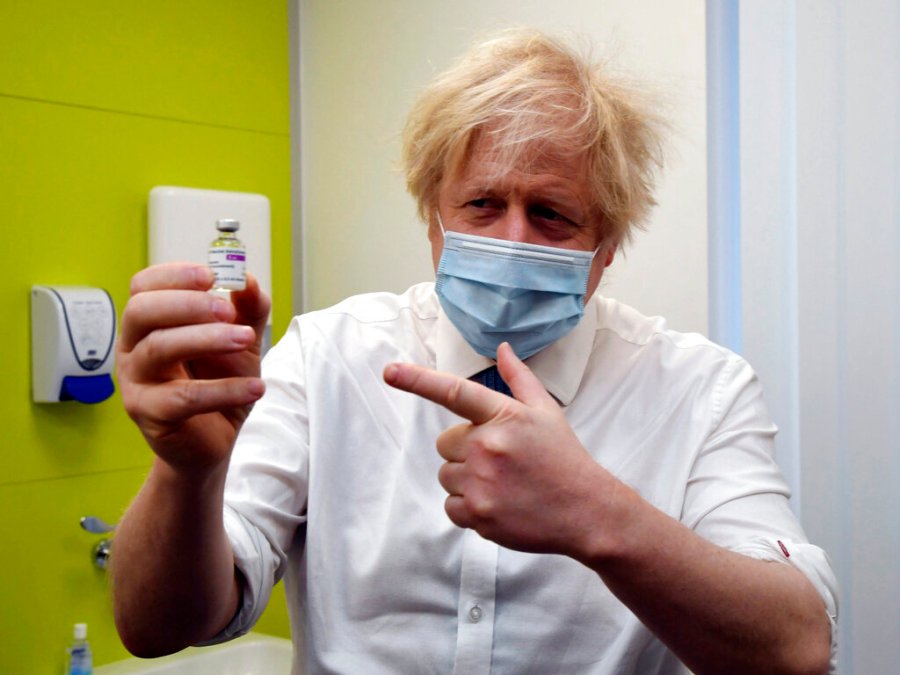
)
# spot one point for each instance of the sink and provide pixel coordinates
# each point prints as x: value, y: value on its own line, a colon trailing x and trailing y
x: 252, y: 654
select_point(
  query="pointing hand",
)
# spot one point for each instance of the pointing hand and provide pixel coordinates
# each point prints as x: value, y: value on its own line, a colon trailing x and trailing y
x: 515, y: 472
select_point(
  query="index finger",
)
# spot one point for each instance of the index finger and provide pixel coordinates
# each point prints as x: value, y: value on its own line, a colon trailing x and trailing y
x: 471, y: 400
x: 184, y: 276
x: 153, y: 310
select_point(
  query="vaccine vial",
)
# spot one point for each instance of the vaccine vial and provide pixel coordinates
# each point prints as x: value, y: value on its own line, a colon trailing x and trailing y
x: 228, y: 257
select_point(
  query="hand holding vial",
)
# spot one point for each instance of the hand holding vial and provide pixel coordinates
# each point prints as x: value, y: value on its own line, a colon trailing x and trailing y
x: 188, y: 361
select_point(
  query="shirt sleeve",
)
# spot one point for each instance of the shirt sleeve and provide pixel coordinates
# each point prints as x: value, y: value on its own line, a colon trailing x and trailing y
x: 257, y: 563
x: 267, y: 484
x: 736, y: 496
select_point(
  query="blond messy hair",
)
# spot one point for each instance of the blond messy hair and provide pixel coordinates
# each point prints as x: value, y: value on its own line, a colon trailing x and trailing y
x: 528, y: 91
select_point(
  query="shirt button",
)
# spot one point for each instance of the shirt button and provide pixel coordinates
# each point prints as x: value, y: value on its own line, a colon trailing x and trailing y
x: 475, y: 614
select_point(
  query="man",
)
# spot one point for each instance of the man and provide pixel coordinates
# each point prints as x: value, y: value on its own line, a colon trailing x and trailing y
x: 609, y: 505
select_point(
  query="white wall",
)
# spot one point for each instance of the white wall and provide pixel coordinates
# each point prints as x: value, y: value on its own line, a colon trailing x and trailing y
x: 363, y: 61
x: 820, y: 187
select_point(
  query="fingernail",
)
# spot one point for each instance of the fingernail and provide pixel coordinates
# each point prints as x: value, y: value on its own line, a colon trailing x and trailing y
x: 222, y: 309
x: 511, y: 350
x: 242, y: 334
x: 256, y: 387
x: 390, y: 372
x: 203, y: 276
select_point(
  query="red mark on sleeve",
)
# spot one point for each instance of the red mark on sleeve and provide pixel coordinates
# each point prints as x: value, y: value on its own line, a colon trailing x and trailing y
x: 784, y: 549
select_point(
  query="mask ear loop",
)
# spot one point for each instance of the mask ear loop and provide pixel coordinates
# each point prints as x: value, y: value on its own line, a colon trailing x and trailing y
x: 599, y: 246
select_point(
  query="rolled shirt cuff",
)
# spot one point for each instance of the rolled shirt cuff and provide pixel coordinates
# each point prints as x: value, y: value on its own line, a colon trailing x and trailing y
x: 813, y: 562
x: 255, y: 560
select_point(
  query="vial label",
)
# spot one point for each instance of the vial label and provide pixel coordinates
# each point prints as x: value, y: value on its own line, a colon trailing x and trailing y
x: 229, y: 266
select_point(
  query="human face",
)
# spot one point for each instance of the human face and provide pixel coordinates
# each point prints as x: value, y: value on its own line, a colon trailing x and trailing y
x: 548, y: 203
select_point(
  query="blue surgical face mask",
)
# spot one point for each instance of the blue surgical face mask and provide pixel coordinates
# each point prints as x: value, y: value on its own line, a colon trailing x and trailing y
x: 497, y: 291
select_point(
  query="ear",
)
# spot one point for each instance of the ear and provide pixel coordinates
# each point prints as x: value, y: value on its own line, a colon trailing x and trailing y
x: 610, y: 254
x: 431, y: 227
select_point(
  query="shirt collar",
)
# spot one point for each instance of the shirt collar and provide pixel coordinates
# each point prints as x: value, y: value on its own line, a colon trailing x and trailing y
x: 559, y: 367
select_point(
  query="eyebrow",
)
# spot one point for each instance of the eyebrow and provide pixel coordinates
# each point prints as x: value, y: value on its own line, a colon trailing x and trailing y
x: 551, y: 191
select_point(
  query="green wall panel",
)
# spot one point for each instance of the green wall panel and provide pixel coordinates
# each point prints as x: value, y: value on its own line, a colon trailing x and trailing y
x: 220, y: 63
x: 99, y: 102
x: 50, y: 582
x: 75, y: 185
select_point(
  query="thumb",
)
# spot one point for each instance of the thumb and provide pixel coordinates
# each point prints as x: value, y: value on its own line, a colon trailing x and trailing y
x: 523, y: 384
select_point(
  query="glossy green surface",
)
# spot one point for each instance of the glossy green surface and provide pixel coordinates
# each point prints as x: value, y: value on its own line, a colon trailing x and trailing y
x: 222, y: 63
x: 99, y: 102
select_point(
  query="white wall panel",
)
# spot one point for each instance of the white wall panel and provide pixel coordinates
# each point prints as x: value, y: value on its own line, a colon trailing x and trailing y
x: 820, y: 147
x: 361, y: 64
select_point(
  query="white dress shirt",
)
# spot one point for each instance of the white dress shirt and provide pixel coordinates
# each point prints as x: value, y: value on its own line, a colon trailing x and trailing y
x: 333, y: 485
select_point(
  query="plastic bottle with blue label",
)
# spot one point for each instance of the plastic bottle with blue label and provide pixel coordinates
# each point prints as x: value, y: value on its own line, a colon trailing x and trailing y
x: 81, y: 662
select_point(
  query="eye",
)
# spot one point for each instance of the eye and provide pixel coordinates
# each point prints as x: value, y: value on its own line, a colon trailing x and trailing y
x: 552, y: 223
x: 550, y: 217
x: 546, y: 213
x: 484, y: 203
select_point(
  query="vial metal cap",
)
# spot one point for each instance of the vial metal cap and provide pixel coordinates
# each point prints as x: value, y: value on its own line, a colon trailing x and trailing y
x: 228, y: 225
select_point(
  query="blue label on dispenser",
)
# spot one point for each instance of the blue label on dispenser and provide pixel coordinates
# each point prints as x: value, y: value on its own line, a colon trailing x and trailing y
x: 87, y: 389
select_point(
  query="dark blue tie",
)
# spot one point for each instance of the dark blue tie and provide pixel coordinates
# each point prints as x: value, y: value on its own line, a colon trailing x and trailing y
x: 490, y: 378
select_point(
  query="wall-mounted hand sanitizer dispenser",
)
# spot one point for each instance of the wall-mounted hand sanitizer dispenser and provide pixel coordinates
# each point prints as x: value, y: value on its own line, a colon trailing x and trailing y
x: 73, y: 330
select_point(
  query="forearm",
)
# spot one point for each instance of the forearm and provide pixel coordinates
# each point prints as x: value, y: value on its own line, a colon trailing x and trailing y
x: 173, y: 575
x: 719, y: 611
